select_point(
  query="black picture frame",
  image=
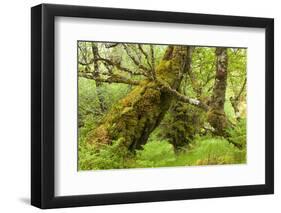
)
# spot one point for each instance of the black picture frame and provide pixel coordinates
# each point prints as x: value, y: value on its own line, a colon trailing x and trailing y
x: 43, y: 102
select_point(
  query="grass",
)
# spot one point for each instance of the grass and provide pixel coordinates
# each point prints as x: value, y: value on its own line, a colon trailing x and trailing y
x: 203, y: 151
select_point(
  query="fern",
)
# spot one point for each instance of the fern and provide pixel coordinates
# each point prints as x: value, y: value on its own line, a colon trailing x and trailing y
x: 156, y: 154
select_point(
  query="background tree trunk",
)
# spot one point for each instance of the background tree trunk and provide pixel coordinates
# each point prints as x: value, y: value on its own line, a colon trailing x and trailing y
x: 134, y: 117
x: 96, y: 74
x: 216, y: 114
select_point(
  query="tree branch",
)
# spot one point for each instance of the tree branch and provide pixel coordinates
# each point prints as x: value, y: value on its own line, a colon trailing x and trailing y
x: 135, y: 61
x: 183, y: 98
x: 83, y: 54
x: 111, y: 63
x: 151, y: 65
x: 86, y: 64
x: 145, y: 54
x: 235, y: 101
x: 118, y: 66
x: 152, y: 62
x: 112, y: 79
x: 110, y: 45
x: 241, y: 90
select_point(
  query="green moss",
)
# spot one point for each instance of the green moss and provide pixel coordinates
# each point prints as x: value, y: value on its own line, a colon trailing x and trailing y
x: 182, y: 123
x: 164, y: 72
x: 169, y: 69
x: 218, y: 121
x: 135, y: 116
x: 128, y: 117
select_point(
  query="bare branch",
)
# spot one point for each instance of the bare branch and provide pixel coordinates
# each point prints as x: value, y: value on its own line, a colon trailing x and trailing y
x: 86, y: 63
x: 108, y: 62
x: 110, y: 45
x: 151, y: 70
x: 112, y: 79
x: 95, y: 52
x: 241, y: 90
x: 152, y: 58
x: 118, y: 66
x: 145, y: 54
x: 107, y: 66
x: 235, y: 101
x: 83, y: 54
x: 180, y: 97
x: 135, y: 61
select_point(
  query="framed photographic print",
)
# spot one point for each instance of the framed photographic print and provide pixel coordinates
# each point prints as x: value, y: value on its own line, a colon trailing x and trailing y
x: 139, y: 106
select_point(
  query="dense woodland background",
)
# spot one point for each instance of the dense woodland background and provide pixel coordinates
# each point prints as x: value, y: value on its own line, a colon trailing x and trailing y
x: 143, y: 105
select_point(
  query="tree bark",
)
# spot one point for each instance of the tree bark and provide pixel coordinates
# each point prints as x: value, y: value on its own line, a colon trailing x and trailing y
x: 134, y: 117
x: 185, y: 115
x: 182, y: 124
x: 236, y: 100
x: 96, y: 74
x: 216, y: 114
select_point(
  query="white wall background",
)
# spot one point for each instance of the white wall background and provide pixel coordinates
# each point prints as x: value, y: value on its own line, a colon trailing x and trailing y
x: 15, y: 105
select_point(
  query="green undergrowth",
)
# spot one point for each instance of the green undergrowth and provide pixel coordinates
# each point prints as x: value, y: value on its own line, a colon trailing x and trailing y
x: 202, y: 151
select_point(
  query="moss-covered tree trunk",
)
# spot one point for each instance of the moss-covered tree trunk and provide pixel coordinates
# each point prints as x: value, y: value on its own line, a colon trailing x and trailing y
x: 134, y: 117
x: 182, y: 124
x: 184, y: 120
x: 216, y: 114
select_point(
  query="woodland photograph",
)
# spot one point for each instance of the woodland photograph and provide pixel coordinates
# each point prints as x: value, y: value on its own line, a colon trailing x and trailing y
x: 160, y: 105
